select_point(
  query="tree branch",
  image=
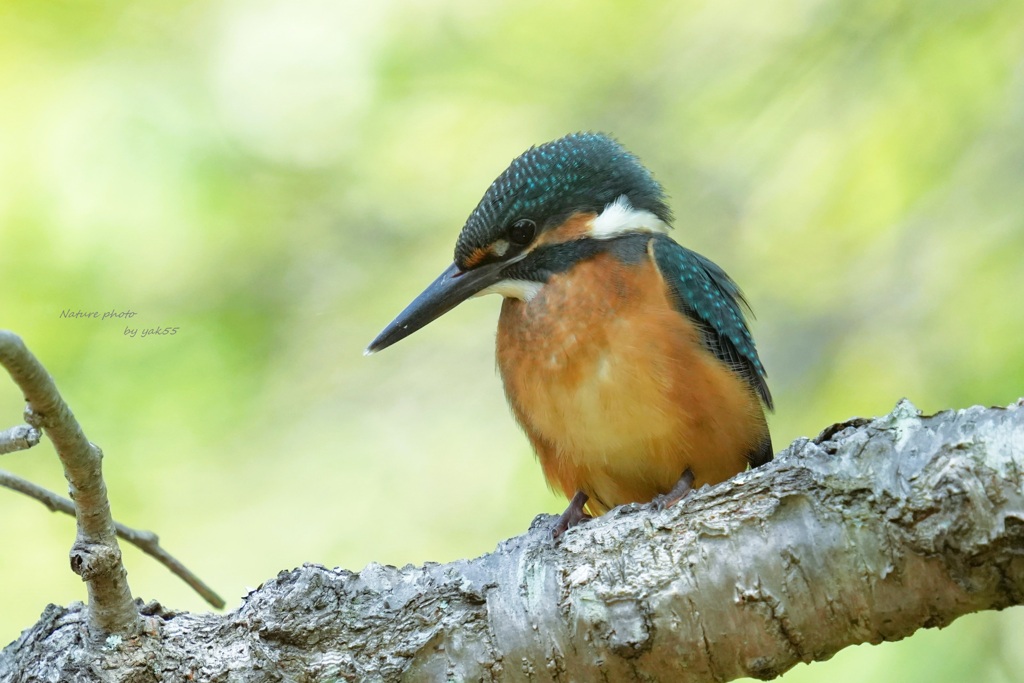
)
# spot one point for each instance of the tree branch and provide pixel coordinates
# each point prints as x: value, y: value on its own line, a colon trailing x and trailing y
x: 869, y: 532
x: 95, y: 556
x: 18, y: 438
x: 146, y: 541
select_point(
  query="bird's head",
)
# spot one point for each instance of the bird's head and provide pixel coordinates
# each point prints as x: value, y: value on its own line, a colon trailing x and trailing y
x: 579, y: 187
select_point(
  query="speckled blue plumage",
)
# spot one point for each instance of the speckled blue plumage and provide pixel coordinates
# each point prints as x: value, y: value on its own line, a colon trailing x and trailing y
x: 579, y: 172
x: 707, y: 295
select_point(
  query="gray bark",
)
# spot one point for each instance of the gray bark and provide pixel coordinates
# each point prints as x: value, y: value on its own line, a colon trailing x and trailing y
x: 869, y: 532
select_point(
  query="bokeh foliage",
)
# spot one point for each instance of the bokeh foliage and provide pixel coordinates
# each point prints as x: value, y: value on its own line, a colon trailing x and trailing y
x: 278, y: 179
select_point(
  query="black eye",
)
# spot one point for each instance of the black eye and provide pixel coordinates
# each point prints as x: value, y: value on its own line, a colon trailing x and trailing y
x: 522, y: 231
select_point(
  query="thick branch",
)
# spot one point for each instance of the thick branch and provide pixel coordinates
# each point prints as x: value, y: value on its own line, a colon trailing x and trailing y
x: 867, y: 533
x: 95, y: 555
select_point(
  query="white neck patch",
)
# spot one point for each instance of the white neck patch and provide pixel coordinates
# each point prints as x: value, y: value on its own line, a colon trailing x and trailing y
x: 513, y: 289
x: 620, y: 217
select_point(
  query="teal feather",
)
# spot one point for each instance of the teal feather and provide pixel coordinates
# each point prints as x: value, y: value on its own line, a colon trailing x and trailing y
x: 702, y: 291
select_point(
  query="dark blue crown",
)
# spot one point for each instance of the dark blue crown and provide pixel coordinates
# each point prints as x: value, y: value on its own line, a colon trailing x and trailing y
x: 548, y: 183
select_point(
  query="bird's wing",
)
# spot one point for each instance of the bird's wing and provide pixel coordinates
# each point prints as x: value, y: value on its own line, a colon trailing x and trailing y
x: 702, y: 291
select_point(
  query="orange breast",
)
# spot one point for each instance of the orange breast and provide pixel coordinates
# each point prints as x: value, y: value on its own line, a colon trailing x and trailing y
x: 616, y: 392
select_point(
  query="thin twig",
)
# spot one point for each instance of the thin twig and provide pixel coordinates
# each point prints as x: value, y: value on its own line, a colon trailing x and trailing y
x: 146, y: 541
x: 18, y: 438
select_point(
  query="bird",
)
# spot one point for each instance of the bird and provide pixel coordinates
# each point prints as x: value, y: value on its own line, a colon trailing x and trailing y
x: 625, y: 357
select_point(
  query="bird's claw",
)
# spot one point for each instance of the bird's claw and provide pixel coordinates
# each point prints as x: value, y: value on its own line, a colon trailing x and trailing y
x: 572, y: 516
x: 681, y: 490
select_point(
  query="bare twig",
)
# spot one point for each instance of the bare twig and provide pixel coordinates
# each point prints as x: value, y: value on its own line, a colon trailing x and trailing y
x: 146, y: 541
x: 95, y: 556
x: 18, y: 438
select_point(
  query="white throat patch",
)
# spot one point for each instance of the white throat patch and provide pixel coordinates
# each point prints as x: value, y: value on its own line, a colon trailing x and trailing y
x: 513, y: 289
x: 620, y: 217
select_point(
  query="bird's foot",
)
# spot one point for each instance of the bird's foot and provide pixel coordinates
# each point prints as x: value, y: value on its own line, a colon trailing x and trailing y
x: 572, y: 516
x: 679, y: 491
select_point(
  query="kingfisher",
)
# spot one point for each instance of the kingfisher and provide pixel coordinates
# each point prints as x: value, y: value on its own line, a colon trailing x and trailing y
x: 626, y: 357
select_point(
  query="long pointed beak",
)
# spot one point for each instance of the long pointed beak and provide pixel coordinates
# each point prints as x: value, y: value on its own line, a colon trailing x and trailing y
x: 450, y: 289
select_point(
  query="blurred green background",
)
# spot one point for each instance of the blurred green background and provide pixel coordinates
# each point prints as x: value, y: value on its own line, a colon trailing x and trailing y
x: 279, y: 178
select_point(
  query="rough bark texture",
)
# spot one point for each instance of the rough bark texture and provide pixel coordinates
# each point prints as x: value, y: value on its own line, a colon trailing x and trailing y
x: 869, y: 532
